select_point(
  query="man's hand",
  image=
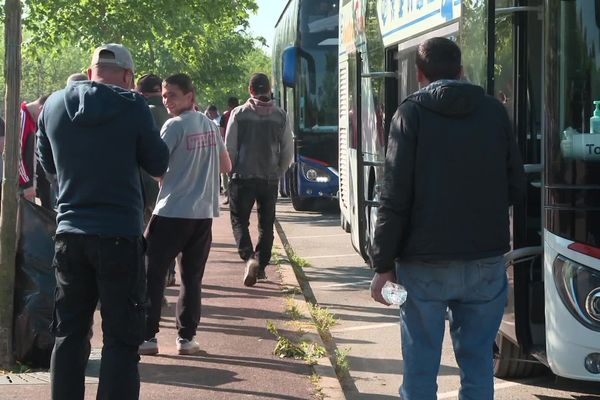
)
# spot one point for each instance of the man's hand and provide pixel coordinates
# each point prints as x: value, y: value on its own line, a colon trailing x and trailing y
x: 29, y: 193
x: 379, y: 279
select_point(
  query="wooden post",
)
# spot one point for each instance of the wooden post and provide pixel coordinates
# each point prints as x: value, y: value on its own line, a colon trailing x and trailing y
x: 9, y: 205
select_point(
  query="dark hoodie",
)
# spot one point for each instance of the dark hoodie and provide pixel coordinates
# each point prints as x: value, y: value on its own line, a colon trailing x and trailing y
x: 95, y: 138
x: 452, y: 170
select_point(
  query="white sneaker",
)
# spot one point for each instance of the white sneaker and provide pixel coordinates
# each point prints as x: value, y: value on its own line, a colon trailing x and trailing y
x: 186, y: 347
x: 148, y: 348
x: 251, y: 272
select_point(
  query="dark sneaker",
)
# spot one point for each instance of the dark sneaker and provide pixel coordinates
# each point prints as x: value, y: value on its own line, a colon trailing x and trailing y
x: 261, y: 275
x: 148, y: 348
x: 251, y: 272
x: 187, y: 347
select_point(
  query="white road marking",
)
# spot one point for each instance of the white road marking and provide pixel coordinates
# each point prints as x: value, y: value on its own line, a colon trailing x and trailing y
x: 366, y: 327
x: 317, y: 236
x: 332, y: 256
x: 454, y: 394
x: 359, y: 283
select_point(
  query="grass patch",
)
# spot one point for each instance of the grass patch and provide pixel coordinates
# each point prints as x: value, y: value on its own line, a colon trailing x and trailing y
x: 295, y: 259
x: 291, y: 290
x: 315, y: 379
x: 303, y: 350
x: 324, y: 319
x: 292, y: 309
x: 342, y: 365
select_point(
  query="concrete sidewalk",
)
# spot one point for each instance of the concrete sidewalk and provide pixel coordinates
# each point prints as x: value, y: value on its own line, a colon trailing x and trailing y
x: 236, y: 359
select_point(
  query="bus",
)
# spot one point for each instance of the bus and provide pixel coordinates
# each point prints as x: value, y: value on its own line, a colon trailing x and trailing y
x: 541, y: 59
x: 305, y: 84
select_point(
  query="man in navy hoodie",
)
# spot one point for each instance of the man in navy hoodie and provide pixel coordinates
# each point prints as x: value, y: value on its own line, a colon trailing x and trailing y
x: 95, y: 136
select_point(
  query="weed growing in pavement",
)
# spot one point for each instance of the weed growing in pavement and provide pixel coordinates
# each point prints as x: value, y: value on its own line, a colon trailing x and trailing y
x: 304, y: 350
x: 292, y: 309
x: 342, y: 365
x: 312, y: 351
x: 291, y: 290
x: 315, y: 379
x: 324, y: 319
x: 296, y: 260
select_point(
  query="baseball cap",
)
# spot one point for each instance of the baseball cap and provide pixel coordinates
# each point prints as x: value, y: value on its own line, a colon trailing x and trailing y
x: 260, y: 83
x: 149, y: 83
x: 113, y: 53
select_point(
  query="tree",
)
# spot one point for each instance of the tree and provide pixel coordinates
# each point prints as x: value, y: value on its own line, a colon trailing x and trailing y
x: 8, y: 212
x: 206, y: 39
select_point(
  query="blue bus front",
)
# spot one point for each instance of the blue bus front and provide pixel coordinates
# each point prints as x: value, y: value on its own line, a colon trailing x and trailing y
x: 310, y: 68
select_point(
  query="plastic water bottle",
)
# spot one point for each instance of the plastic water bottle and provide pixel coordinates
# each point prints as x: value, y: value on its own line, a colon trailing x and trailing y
x: 393, y: 293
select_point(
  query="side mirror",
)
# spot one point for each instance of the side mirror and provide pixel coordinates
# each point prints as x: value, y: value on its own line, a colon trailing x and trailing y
x: 289, y: 66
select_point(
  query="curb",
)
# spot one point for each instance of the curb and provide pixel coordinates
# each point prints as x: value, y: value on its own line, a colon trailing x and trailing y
x: 329, y: 382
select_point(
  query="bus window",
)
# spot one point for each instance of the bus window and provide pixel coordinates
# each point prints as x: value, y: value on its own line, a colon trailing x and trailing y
x: 318, y: 86
x: 504, y: 63
x: 472, y: 42
x: 572, y: 152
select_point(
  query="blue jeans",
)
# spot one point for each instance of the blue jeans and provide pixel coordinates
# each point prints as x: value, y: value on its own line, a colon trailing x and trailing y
x: 476, y: 293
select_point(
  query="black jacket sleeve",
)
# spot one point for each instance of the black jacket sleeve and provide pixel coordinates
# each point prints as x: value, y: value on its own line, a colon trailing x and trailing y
x: 153, y: 153
x: 393, y: 218
x: 44, y: 149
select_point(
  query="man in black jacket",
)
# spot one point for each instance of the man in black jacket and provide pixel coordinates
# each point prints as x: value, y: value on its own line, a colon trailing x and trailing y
x: 452, y: 171
x: 95, y: 135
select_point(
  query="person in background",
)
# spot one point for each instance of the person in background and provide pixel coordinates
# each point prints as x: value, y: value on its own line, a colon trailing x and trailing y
x: 212, y: 112
x: 76, y: 77
x: 452, y: 171
x: 260, y: 145
x: 27, y: 162
x: 232, y: 103
x: 182, y: 219
x: 95, y: 135
x: 150, y: 86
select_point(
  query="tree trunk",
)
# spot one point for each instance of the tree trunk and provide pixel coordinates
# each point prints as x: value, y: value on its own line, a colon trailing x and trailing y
x: 9, y: 205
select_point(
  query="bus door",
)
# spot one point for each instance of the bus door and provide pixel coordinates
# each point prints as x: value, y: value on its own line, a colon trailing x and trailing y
x: 515, y: 76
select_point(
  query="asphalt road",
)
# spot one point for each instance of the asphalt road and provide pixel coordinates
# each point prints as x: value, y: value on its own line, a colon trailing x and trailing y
x: 369, y: 332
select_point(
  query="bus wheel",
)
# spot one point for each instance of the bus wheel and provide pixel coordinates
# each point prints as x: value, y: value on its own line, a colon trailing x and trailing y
x: 511, y: 362
x: 298, y: 202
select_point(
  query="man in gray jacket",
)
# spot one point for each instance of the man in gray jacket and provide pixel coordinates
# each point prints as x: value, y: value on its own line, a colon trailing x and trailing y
x: 259, y: 142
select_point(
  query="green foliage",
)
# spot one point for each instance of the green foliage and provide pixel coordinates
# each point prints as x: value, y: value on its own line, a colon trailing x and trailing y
x: 324, y: 319
x: 296, y: 260
x: 342, y: 365
x: 304, y: 349
x: 208, y: 39
x: 292, y: 309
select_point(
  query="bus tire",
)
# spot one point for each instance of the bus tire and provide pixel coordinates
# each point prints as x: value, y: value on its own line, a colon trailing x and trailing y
x: 298, y: 202
x: 512, y: 362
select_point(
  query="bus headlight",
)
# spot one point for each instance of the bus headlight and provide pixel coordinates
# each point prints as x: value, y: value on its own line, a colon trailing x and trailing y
x: 579, y: 289
x: 592, y: 304
x: 315, y: 174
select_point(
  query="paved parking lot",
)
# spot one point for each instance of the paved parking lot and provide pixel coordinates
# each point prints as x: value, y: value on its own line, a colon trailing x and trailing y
x: 370, y: 332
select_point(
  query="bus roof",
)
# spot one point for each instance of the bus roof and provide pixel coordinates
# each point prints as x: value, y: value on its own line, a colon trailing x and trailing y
x: 283, y: 12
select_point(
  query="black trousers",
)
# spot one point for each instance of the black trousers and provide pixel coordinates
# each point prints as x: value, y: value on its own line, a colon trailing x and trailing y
x: 166, y: 238
x: 89, y: 268
x: 243, y: 193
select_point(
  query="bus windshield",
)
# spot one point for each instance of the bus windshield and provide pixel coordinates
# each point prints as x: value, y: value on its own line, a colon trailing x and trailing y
x: 318, y: 74
x: 575, y: 140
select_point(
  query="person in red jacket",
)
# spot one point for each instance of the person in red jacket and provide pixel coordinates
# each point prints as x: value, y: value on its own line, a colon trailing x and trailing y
x: 29, y: 116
